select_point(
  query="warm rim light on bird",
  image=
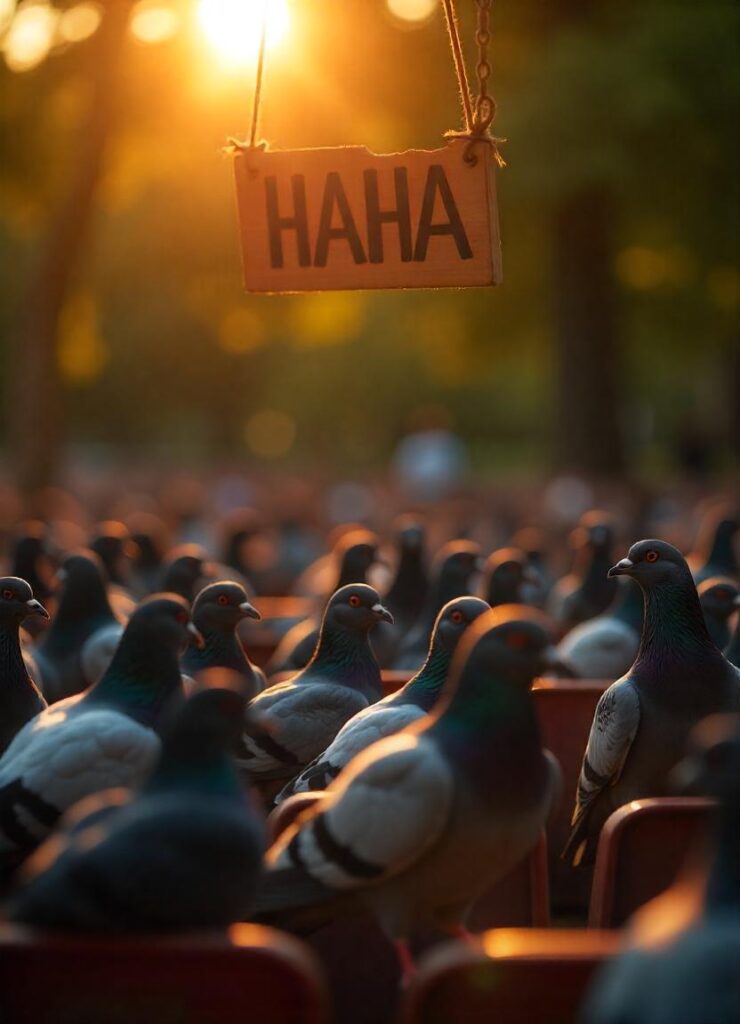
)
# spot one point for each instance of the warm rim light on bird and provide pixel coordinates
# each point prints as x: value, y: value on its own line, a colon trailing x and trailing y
x: 233, y: 27
x: 412, y: 10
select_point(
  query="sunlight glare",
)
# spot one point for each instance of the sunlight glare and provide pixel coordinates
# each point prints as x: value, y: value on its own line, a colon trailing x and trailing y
x: 154, y: 22
x: 233, y: 27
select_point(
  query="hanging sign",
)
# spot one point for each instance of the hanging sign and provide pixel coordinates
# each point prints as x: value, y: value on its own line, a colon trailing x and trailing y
x: 326, y: 219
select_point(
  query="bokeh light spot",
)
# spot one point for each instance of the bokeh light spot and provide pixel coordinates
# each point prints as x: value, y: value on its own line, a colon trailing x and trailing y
x: 81, y: 352
x: 241, y: 330
x: 328, y: 318
x: 153, y: 22
x: 270, y: 434
x: 79, y: 22
x: 641, y: 268
x: 30, y: 36
x: 412, y: 10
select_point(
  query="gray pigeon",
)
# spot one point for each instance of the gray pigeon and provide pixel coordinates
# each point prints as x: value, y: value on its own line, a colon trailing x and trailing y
x: 718, y: 596
x: 715, y: 551
x: 20, y: 699
x: 422, y: 822
x: 587, y: 590
x: 292, y: 722
x: 454, y: 567
x: 217, y: 611
x: 683, y: 949
x: 504, y: 576
x: 83, y: 609
x: 101, y: 739
x: 398, y: 710
x: 606, y: 646
x: 642, y: 721
x: 355, y: 553
x: 183, y: 853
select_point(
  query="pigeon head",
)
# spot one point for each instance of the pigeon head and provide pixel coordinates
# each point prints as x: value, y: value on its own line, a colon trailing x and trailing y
x: 17, y: 601
x: 506, y: 645
x: 506, y: 570
x: 82, y: 580
x: 357, y: 552
x: 594, y: 530
x: 31, y: 559
x: 718, y: 597
x: 162, y: 620
x: 653, y: 563
x: 355, y: 607
x: 222, y: 606
x: 186, y: 570
x: 409, y: 533
x: 531, y: 540
x: 454, y: 566
x: 209, y: 723
x: 113, y: 543
x: 454, y: 619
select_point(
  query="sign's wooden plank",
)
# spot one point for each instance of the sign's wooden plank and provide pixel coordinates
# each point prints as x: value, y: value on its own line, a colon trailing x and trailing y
x: 323, y: 219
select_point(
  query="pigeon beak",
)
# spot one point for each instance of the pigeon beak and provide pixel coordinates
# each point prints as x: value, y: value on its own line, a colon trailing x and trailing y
x: 622, y: 568
x: 36, y: 608
x: 197, y: 636
x: 382, y: 613
x: 249, y: 611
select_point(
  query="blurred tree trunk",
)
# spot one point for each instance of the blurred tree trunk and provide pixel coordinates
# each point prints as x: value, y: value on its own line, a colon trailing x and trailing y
x: 588, y: 436
x: 34, y: 400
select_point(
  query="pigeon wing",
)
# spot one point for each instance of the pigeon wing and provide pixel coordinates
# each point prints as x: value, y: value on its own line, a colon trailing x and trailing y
x: 385, y: 811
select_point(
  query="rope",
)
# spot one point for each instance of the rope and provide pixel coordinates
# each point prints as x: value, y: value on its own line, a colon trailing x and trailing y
x: 258, y: 81
x: 478, y: 120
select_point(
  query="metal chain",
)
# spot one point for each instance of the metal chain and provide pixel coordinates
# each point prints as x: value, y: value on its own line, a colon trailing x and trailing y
x: 485, y: 105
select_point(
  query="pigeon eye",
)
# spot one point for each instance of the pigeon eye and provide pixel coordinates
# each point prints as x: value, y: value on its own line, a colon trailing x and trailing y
x: 355, y: 601
x: 182, y: 617
x: 223, y: 599
x: 651, y: 556
x: 457, y: 616
x: 8, y: 595
x: 517, y: 640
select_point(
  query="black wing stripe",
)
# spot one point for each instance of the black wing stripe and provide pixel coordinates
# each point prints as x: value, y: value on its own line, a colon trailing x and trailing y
x: 341, y: 855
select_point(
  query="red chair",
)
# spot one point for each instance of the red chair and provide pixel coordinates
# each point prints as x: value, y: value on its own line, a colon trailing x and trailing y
x: 513, y: 976
x: 252, y: 975
x: 565, y: 709
x: 642, y: 848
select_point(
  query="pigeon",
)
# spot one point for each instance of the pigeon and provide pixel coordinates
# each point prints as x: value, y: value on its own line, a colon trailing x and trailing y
x: 642, y: 721
x: 606, y: 646
x: 148, y: 534
x: 531, y: 541
x: 355, y: 552
x: 217, y: 611
x: 717, y: 596
x: 715, y: 550
x: 452, y: 573
x: 20, y: 699
x: 113, y: 545
x: 97, y: 652
x: 292, y: 722
x: 587, y: 590
x: 732, y: 651
x: 422, y: 822
x: 31, y: 560
x: 504, y: 576
x: 405, y: 596
x: 683, y: 948
x: 395, y: 712
x: 184, y: 852
x: 103, y: 738
x: 83, y: 609
x: 186, y: 571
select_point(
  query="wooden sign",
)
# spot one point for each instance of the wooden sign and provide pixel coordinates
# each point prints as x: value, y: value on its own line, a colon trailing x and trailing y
x: 323, y: 219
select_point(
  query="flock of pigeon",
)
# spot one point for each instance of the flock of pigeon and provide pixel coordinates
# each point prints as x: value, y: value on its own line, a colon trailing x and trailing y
x: 141, y: 748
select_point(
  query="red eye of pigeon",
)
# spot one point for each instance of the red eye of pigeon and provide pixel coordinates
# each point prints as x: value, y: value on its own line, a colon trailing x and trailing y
x: 651, y: 556
x: 457, y: 616
x: 355, y: 601
x: 517, y: 640
x: 8, y: 595
x: 182, y: 617
x: 223, y: 599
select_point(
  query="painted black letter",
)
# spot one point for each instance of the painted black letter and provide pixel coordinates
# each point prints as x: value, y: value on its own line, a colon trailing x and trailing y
x: 437, y: 181
x: 298, y: 223
x: 334, y: 194
x: 376, y: 217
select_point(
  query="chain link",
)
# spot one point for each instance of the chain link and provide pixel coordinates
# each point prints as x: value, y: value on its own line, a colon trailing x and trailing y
x: 485, y: 105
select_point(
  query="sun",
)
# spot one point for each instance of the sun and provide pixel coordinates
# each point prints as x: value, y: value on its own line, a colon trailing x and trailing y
x: 233, y: 27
